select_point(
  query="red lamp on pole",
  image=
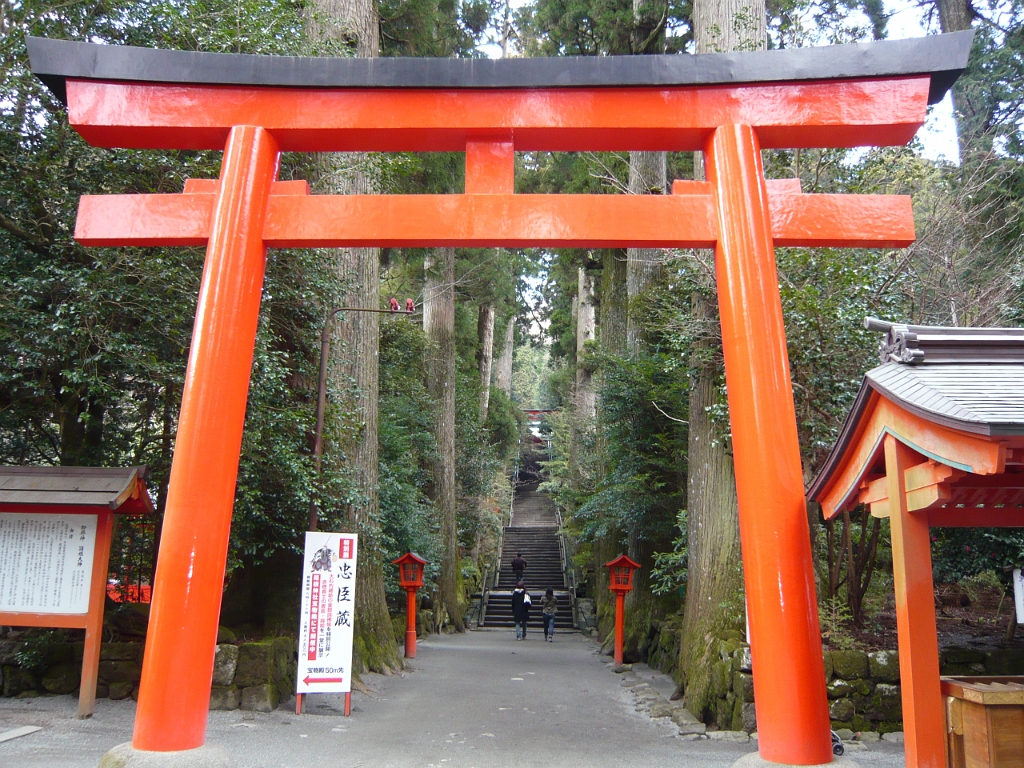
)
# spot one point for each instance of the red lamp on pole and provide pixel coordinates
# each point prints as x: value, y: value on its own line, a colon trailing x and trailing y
x: 410, y: 578
x: 620, y: 582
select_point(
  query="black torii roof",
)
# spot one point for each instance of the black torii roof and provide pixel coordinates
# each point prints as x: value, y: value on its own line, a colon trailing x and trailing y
x: 943, y: 57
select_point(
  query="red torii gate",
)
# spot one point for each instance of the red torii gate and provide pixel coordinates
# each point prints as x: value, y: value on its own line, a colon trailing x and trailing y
x: 730, y: 106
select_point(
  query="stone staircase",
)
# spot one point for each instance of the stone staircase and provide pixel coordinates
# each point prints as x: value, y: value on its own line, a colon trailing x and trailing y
x: 534, y: 533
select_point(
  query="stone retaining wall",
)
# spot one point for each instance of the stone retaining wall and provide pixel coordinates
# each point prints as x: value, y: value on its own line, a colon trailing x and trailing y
x: 863, y: 688
x: 255, y: 676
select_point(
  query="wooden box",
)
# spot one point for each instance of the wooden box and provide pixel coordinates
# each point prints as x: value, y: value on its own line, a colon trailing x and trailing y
x: 984, y: 721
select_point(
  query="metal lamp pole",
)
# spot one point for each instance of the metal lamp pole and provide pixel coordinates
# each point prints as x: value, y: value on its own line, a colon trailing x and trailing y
x: 321, y: 396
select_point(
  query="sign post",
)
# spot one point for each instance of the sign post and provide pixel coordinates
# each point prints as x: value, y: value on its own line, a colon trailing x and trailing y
x: 1018, y: 594
x: 327, y: 618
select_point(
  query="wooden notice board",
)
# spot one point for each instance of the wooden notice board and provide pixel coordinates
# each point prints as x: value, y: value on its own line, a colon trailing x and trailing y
x: 56, y: 526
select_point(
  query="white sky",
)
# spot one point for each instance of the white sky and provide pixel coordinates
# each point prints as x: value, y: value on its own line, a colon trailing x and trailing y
x: 938, y: 136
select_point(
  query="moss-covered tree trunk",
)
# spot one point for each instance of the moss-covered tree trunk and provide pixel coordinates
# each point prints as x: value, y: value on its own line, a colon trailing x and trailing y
x: 612, y: 331
x: 439, y: 326
x: 715, y: 583
x: 611, y: 336
x: 644, y: 270
x: 715, y: 579
x: 354, y: 24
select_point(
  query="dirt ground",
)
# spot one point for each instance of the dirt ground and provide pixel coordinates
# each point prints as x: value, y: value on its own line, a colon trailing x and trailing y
x: 974, y: 617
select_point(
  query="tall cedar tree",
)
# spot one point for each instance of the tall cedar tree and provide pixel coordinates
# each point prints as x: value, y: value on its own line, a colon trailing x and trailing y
x: 352, y: 25
x: 714, y: 577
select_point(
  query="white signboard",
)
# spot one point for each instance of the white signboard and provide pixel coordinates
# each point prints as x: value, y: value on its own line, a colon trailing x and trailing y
x: 328, y: 613
x: 46, y: 562
x: 1018, y: 594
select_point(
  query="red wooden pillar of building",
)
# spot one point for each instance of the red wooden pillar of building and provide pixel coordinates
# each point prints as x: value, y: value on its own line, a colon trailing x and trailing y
x: 924, y: 723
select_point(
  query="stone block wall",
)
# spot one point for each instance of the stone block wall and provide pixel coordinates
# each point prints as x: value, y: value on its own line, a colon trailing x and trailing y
x: 863, y: 687
x: 255, y: 676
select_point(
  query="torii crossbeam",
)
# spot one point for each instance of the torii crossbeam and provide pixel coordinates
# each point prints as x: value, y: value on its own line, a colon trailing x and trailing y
x: 729, y: 106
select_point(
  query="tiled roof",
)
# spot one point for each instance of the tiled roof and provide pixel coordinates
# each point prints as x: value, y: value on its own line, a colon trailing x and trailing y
x: 987, y: 398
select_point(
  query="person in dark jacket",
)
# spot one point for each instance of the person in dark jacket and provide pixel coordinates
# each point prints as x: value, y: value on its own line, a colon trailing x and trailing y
x: 518, y: 566
x: 549, y: 607
x: 520, y: 609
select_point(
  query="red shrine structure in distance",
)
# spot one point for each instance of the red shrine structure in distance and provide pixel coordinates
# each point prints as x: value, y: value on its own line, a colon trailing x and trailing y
x: 729, y: 106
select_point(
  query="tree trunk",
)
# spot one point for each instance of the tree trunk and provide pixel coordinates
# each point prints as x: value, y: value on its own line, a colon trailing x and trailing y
x: 484, y: 355
x: 613, y: 301
x: 721, y: 26
x: 956, y: 16
x: 612, y: 338
x: 354, y: 23
x: 360, y: 335
x: 586, y: 394
x: 356, y: 359
x: 644, y: 266
x: 439, y: 326
x: 715, y: 576
x: 503, y: 376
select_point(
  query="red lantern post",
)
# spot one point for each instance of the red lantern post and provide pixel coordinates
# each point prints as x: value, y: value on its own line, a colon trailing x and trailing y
x: 410, y: 578
x: 620, y: 582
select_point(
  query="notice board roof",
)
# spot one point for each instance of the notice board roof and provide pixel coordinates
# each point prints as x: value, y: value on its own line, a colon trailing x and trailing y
x: 120, y: 489
x: 942, y: 57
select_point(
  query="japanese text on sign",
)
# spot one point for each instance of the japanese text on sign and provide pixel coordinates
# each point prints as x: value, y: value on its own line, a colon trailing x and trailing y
x: 328, y: 608
x: 46, y: 562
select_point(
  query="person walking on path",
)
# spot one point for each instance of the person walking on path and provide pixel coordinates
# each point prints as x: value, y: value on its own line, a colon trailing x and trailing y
x: 518, y: 566
x: 520, y: 609
x: 549, y: 607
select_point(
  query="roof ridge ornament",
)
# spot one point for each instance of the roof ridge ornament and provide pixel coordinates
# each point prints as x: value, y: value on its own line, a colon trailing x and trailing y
x: 899, y: 345
x: 915, y: 344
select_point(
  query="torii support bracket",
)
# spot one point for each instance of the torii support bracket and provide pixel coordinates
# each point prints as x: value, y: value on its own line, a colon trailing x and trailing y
x: 730, y: 106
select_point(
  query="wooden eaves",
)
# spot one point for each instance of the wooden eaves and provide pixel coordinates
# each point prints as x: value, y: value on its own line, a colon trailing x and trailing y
x: 955, y: 396
x: 79, y: 489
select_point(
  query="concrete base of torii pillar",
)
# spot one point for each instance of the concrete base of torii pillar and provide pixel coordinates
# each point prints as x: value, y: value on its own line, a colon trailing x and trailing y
x: 754, y: 760
x: 126, y: 756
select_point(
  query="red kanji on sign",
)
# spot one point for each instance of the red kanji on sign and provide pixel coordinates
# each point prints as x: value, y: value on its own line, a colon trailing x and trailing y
x: 345, y: 547
x: 314, y: 616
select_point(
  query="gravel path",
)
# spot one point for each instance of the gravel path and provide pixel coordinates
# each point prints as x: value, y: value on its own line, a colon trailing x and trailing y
x: 480, y: 700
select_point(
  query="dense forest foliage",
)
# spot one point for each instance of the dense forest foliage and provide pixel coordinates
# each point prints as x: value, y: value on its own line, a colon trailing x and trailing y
x: 623, y: 345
